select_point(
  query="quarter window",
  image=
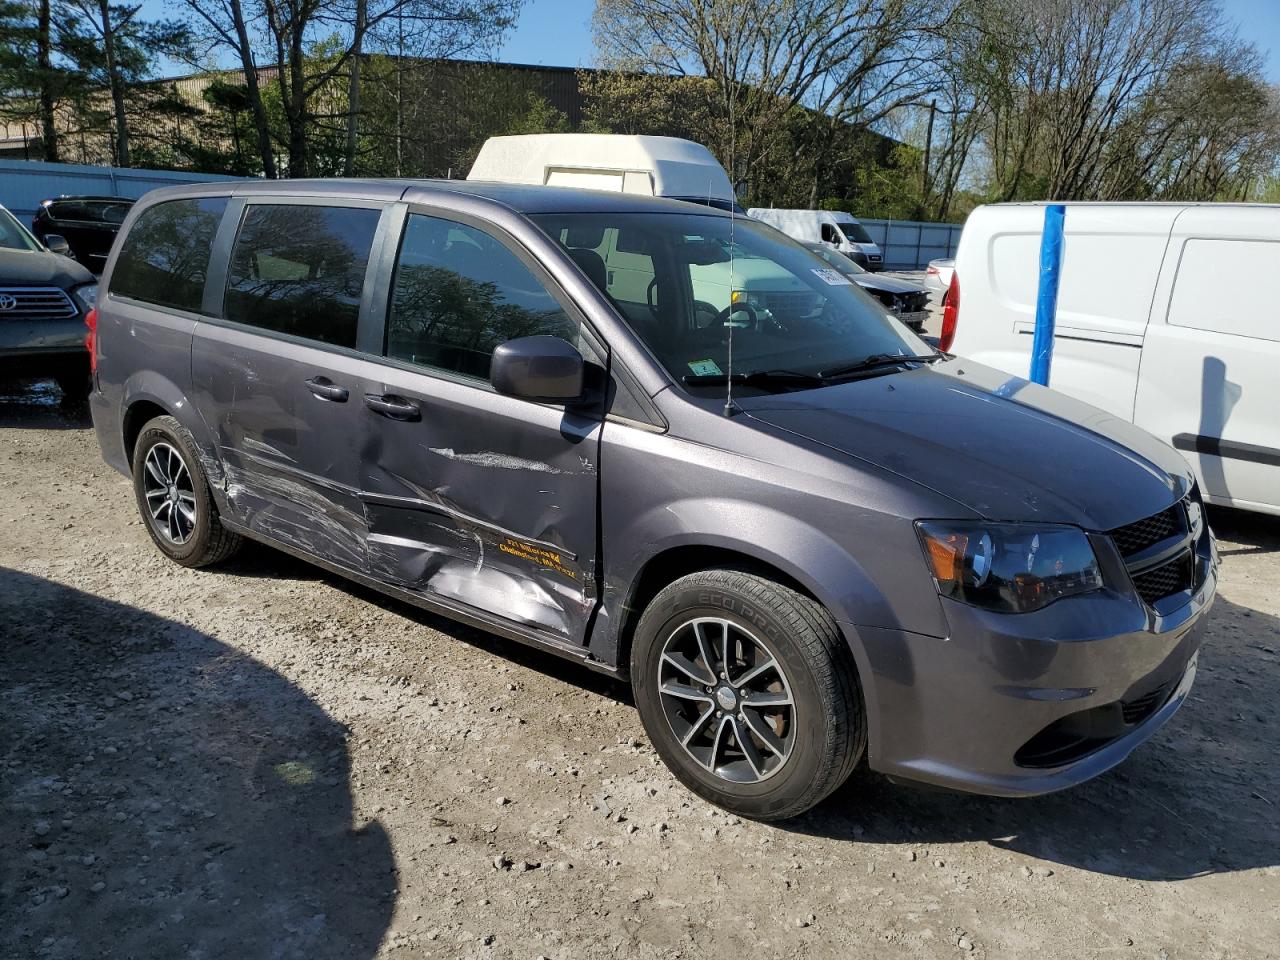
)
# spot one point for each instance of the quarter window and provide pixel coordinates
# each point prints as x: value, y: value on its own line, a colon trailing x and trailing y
x: 459, y: 293
x: 165, y: 255
x: 299, y: 269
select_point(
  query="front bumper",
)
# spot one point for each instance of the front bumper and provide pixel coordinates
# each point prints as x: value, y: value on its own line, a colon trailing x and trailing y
x: 1028, y: 704
x: 42, y: 347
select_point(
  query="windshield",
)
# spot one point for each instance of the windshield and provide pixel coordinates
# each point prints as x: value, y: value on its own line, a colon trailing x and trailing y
x: 854, y: 231
x: 672, y: 278
x: 12, y: 234
x: 837, y: 259
x: 725, y: 205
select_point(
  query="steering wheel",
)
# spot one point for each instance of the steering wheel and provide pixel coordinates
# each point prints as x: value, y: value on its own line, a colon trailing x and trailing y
x: 649, y: 298
x: 723, y: 316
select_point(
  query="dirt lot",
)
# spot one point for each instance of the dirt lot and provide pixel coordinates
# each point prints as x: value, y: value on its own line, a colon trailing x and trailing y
x: 265, y: 761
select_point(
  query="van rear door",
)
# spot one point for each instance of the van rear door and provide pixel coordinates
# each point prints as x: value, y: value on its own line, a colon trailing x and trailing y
x: 1208, y: 382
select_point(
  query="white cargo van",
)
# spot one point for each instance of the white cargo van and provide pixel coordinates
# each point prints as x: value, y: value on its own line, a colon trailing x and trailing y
x: 1163, y: 319
x: 653, y: 166
x: 840, y: 230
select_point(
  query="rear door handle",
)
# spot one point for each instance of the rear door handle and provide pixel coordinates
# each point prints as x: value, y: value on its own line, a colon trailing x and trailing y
x: 396, y: 408
x: 326, y: 389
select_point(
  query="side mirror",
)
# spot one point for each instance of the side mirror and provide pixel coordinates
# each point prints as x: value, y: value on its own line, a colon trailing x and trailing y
x: 538, y: 368
x: 57, y: 244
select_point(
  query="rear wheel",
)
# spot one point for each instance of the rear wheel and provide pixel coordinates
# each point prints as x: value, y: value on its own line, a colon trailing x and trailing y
x: 174, y: 499
x: 748, y: 692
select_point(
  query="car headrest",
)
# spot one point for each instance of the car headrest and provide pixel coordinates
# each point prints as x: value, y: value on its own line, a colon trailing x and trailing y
x: 592, y: 264
x: 584, y: 236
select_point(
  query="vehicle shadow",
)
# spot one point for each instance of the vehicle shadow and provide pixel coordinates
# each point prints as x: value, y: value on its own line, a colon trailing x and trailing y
x: 1258, y: 532
x: 259, y: 560
x: 1201, y: 797
x: 39, y: 405
x: 165, y: 795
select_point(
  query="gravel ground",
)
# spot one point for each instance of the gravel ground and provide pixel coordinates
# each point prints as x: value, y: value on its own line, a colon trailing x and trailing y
x: 266, y: 761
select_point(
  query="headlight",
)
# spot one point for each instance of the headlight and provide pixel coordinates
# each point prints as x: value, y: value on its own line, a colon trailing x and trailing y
x: 1008, y: 567
x: 87, y: 294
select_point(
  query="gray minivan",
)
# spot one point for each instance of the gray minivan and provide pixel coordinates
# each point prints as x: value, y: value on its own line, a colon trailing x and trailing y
x: 805, y: 537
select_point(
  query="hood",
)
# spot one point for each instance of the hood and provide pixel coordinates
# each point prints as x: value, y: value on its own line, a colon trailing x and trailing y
x: 1001, y: 446
x: 876, y: 281
x: 20, y: 268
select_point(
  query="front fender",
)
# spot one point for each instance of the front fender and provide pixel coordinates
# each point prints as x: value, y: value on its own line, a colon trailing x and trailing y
x: 895, y: 593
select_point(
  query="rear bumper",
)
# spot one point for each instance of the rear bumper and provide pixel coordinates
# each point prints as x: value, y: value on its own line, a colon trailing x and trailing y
x: 109, y: 427
x: 1029, y: 704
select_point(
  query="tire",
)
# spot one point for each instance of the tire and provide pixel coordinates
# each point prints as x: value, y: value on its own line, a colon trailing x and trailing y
x: 187, y: 529
x: 822, y: 733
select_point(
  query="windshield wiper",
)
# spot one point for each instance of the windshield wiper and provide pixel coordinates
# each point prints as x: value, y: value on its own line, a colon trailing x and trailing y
x: 756, y: 378
x: 875, y: 361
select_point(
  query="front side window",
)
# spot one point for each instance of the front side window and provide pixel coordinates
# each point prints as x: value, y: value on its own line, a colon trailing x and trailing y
x: 165, y: 256
x: 786, y: 309
x: 459, y: 293
x: 299, y: 269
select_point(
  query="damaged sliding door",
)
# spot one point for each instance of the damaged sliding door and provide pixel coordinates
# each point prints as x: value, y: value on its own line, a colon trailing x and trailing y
x: 276, y: 377
x: 470, y: 496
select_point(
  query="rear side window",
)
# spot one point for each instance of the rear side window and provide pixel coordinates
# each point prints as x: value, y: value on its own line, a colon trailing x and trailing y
x: 459, y: 293
x: 90, y: 211
x: 165, y: 255
x: 299, y: 269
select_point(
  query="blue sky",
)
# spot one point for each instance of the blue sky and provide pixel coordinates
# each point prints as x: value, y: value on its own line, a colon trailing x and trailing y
x: 558, y: 32
x: 554, y: 33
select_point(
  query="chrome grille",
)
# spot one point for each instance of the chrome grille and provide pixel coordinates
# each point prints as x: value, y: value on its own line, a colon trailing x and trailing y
x: 35, y: 303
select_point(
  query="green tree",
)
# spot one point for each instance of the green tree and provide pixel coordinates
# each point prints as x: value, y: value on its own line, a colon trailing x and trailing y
x: 117, y: 51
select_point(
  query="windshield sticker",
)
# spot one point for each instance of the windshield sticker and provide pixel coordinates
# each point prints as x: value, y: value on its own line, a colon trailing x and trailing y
x: 705, y: 368
x: 833, y: 277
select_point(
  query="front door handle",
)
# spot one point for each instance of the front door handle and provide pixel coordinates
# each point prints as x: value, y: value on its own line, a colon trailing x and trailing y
x: 389, y: 405
x: 326, y: 389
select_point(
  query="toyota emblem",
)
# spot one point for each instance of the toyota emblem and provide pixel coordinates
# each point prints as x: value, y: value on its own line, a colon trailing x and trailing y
x: 7, y: 302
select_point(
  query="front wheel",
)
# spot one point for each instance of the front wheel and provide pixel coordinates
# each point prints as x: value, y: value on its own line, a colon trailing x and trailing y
x: 748, y: 692
x: 174, y: 499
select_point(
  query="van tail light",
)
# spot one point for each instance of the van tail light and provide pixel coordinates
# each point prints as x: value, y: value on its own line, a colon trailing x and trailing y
x: 91, y: 339
x: 950, y: 314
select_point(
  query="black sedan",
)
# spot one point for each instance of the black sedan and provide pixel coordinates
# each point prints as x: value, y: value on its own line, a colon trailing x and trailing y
x: 906, y: 301
x: 89, y: 224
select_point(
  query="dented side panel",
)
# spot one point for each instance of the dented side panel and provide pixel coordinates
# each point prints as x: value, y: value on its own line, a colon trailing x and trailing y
x: 486, y: 500
x: 289, y: 459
